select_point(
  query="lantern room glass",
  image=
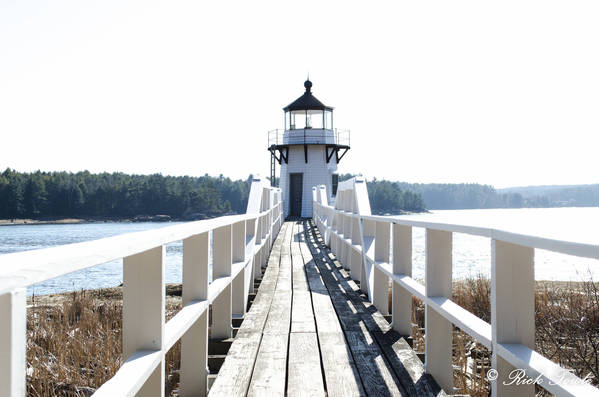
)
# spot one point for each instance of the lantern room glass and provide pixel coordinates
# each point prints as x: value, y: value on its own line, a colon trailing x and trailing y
x: 305, y: 119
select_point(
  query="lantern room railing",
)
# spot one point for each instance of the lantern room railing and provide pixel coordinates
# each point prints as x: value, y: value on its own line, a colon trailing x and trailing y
x: 309, y: 136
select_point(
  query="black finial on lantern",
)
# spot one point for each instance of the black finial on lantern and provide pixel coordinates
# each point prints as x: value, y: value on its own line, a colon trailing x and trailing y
x: 308, y: 85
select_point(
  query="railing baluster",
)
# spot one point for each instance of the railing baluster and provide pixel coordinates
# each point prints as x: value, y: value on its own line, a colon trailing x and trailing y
x: 402, y: 264
x: 222, y: 258
x: 366, y: 276
x: 512, y: 309
x: 250, y: 235
x: 346, y: 247
x: 382, y: 248
x: 438, y: 330
x: 143, y: 311
x: 355, y: 259
x: 239, y: 299
x: 13, y: 342
x: 194, y: 343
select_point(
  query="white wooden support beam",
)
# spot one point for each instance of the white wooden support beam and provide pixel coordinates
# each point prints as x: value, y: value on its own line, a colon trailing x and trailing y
x: 239, y: 297
x: 194, y: 343
x: 328, y: 225
x: 265, y: 199
x: 438, y: 330
x: 13, y: 342
x: 143, y: 311
x: 256, y: 265
x: 355, y: 259
x: 402, y: 264
x: 382, y: 249
x: 250, y: 243
x: 355, y: 264
x: 361, y: 196
x: 512, y: 310
x: 222, y: 259
x: 264, y: 226
x: 368, y: 235
x: 346, y: 247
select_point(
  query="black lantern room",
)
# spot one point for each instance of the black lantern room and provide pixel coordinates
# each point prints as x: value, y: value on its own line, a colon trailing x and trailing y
x: 308, y: 112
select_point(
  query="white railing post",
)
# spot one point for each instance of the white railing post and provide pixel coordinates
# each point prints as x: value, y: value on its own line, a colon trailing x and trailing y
x: 366, y: 276
x: 250, y: 239
x: 239, y: 299
x: 382, y: 248
x: 512, y: 310
x: 258, y: 255
x: 402, y: 264
x: 346, y: 247
x: 222, y: 258
x: 13, y: 342
x: 438, y: 330
x: 194, y: 343
x: 143, y: 311
x: 355, y: 258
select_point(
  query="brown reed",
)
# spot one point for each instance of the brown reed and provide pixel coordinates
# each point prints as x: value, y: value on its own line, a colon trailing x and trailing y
x: 74, y: 340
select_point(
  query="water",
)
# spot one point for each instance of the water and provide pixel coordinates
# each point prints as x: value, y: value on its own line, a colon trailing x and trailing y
x: 27, y: 237
x: 471, y: 255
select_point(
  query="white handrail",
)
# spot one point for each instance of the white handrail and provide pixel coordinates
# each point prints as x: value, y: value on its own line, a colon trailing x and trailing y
x: 240, y: 246
x: 362, y: 243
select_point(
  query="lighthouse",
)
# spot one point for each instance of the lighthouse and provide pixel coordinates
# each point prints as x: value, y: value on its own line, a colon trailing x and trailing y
x: 308, y: 151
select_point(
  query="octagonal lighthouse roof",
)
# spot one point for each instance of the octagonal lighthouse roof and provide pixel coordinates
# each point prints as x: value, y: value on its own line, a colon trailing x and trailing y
x: 307, y: 101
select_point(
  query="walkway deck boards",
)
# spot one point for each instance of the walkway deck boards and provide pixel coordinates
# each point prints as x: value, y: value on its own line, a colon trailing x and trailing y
x: 310, y: 332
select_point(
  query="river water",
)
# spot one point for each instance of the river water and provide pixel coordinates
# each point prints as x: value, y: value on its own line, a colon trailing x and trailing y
x: 471, y: 254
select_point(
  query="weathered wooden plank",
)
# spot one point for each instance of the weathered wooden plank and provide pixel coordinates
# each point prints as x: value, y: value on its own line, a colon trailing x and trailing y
x: 377, y: 376
x: 305, y: 375
x: 255, y: 318
x: 302, y: 316
x: 300, y: 282
x: 279, y: 316
x: 234, y: 376
x: 341, y: 375
x: 268, y: 378
x: 404, y: 361
x: 315, y: 282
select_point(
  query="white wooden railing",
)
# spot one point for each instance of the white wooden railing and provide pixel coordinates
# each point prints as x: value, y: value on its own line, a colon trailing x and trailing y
x: 363, y: 243
x: 240, y: 246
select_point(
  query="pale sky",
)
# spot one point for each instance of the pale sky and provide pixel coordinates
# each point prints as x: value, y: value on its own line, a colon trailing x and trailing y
x: 503, y: 93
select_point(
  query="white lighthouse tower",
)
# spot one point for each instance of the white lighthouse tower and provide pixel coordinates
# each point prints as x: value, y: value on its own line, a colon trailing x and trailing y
x: 308, y: 150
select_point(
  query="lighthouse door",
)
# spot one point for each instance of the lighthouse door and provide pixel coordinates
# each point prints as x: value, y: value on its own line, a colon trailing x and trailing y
x: 295, y: 194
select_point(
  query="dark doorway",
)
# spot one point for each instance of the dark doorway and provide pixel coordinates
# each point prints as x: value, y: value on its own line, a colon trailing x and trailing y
x: 296, y: 182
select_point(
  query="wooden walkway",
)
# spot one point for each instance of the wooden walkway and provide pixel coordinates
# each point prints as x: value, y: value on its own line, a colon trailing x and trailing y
x: 310, y: 332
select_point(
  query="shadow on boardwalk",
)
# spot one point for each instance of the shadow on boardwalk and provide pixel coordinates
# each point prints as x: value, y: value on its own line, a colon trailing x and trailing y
x: 311, y: 332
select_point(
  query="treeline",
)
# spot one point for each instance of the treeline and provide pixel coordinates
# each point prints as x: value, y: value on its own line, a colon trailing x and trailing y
x: 390, y: 198
x: 558, y: 195
x: 118, y: 195
x: 395, y: 197
x: 453, y: 196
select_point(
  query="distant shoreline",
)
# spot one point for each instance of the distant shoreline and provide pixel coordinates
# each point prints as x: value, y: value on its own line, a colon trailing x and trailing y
x: 76, y: 221
x: 65, y: 221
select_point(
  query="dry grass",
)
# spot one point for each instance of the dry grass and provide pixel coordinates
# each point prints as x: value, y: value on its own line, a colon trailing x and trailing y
x: 74, y: 342
x: 567, y: 330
